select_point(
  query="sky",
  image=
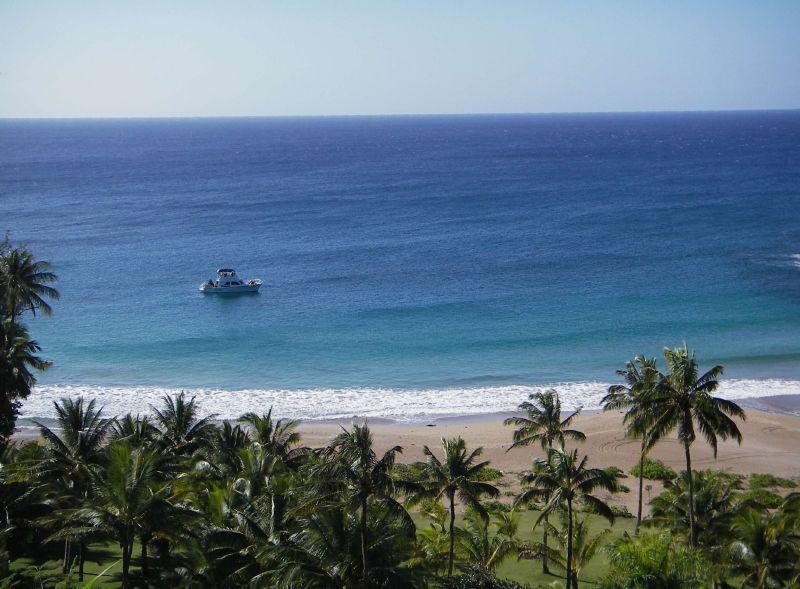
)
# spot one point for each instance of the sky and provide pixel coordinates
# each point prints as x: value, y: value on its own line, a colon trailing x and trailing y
x: 108, y: 58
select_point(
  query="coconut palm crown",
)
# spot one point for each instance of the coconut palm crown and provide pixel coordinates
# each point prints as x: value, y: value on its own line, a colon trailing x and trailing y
x: 542, y: 423
x: 24, y: 282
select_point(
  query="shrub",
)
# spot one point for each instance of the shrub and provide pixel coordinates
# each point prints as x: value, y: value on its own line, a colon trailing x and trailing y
x: 489, y: 474
x: 762, y: 498
x: 415, y: 471
x: 409, y: 472
x: 653, y: 561
x: 733, y: 479
x: 763, y: 480
x: 617, y: 510
x: 654, y: 470
x: 478, y: 578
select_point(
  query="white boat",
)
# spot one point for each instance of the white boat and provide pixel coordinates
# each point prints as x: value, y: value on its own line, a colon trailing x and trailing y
x: 228, y: 282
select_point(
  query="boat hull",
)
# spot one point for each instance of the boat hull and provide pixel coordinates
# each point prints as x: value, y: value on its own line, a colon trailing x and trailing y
x: 230, y: 290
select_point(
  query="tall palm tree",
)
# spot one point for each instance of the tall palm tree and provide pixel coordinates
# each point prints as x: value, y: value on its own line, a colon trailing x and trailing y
x: 458, y: 474
x: 641, y: 377
x: 24, y: 283
x: 682, y: 400
x: 368, y: 479
x: 19, y: 363
x: 562, y: 480
x: 543, y: 425
x: 182, y: 431
x: 70, y: 456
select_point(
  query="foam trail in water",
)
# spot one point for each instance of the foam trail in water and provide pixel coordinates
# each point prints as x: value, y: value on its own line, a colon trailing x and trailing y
x: 398, y: 404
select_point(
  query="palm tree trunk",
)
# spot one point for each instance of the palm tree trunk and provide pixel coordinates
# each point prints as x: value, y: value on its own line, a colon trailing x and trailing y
x: 272, y: 515
x: 126, y: 564
x: 690, y: 480
x: 81, y: 559
x: 569, y: 544
x: 67, y: 556
x: 145, y: 563
x: 545, y: 568
x: 641, y: 485
x: 452, y: 534
x: 363, y: 527
x: 5, y: 556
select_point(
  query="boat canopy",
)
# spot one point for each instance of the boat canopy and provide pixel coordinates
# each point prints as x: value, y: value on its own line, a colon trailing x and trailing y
x: 226, y: 271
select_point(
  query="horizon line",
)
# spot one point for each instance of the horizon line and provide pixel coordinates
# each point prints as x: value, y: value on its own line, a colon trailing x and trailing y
x: 388, y: 115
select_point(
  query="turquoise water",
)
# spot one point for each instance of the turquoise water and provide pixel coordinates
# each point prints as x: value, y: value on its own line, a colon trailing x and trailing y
x: 412, y: 264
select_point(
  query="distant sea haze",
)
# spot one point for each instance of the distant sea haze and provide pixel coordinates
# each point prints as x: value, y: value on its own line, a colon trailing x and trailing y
x: 413, y: 266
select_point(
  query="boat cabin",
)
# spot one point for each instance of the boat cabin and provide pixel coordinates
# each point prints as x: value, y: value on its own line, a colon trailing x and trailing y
x: 227, y: 277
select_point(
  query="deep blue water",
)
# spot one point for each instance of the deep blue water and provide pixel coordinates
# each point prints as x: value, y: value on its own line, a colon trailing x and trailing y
x: 410, y: 252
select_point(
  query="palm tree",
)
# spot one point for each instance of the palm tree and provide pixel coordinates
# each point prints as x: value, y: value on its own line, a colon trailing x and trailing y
x: 224, y: 447
x: 489, y: 543
x: 264, y: 475
x: 24, y: 283
x: 433, y: 541
x: 682, y: 399
x: 543, y: 425
x: 181, y: 430
x: 277, y: 437
x: 18, y: 363
x: 368, y: 479
x: 766, y: 549
x: 561, y: 481
x: 716, y: 505
x: 458, y: 474
x: 134, y: 430
x: 71, y: 455
x: 641, y: 377
x: 584, y: 546
x: 126, y: 499
x: 325, y: 552
x: 21, y: 497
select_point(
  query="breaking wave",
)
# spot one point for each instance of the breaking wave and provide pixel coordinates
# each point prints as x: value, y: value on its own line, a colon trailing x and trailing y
x: 406, y: 405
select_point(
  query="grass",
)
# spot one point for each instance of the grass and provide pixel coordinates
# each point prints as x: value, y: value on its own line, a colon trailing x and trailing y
x: 45, y: 571
x: 530, y: 571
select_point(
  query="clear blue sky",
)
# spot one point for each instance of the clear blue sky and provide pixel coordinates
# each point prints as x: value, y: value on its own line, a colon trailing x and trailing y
x: 198, y: 58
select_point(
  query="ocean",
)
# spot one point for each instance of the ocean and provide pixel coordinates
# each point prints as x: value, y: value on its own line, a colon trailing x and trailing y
x: 413, y: 266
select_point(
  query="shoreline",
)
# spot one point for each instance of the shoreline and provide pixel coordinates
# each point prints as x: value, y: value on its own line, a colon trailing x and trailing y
x: 405, y: 405
x: 788, y: 405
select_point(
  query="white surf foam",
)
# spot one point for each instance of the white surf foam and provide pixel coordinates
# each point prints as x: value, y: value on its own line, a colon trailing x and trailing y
x: 397, y: 404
